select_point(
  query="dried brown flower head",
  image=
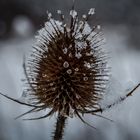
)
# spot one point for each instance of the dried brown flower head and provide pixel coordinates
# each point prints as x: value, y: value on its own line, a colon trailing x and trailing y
x: 67, y: 72
x: 67, y: 69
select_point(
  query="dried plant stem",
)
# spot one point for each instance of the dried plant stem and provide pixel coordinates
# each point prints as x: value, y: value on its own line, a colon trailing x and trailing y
x: 60, y: 125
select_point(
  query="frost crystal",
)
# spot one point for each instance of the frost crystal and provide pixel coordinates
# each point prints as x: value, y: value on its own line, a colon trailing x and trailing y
x: 84, y: 16
x: 76, y: 69
x: 98, y: 27
x: 60, y: 58
x: 70, y: 54
x: 65, y: 50
x: 70, y: 46
x: 88, y: 65
x: 51, y: 84
x: 44, y: 75
x: 91, y: 11
x: 73, y: 13
x: 85, y: 78
x: 59, y: 12
x: 78, y: 55
x: 65, y: 64
x: 69, y: 71
x: 49, y: 15
x: 53, y: 89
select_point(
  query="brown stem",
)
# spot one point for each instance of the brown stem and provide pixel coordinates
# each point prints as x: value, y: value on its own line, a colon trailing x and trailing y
x: 60, y: 125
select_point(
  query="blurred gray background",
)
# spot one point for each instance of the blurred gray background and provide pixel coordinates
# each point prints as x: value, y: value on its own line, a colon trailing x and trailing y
x: 120, y: 22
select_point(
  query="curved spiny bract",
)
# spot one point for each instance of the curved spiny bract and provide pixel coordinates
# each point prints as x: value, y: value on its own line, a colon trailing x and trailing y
x: 68, y: 70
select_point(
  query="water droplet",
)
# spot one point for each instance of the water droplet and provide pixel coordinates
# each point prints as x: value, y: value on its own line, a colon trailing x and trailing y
x: 78, y: 55
x: 69, y: 71
x: 44, y: 75
x: 65, y: 50
x: 45, y: 56
x: 51, y: 84
x: 70, y: 46
x: 72, y: 89
x: 53, y: 89
x: 98, y: 27
x: 76, y: 69
x: 88, y: 65
x: 77, y: 96
x: 65, y: 64
x: 57, y: 96
x: 49, y: 15
x: 62, y: 87
x: 70, y: 54
x: 91, y: 11
x: 44, y: 89
x: 64, y: 25
x: 88, y: 54
x: 60, y: 58
x: 73, y: 13
x: 59, y: 12
x: 85, y: 78
x: 84, y: 16
x: 63, y: 16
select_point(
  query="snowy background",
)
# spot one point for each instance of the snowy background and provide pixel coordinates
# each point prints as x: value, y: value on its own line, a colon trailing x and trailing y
x: 120, y: 25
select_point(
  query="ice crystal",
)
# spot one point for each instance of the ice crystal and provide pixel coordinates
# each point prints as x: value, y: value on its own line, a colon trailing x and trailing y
x: 65, y: 64
x: 73, y: 13
x: 91, y: 11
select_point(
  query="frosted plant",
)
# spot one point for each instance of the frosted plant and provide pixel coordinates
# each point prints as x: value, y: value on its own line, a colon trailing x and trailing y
x: 67, y: 72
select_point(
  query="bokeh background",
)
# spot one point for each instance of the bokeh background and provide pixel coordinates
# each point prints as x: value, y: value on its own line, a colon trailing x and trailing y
x: 120, y: 22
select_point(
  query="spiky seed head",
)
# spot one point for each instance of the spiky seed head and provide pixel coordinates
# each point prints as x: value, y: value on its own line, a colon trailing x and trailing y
x: 67, y: 70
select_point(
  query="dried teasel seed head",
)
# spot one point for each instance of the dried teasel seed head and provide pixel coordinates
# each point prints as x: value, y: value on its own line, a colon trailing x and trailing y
x: 67, y: 71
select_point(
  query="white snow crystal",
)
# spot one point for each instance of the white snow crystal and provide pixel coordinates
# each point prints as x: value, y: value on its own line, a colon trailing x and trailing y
x: 48, y: 29
x: 51, y: 84
x: 85, y: 78
x: 65, y: 50
x: 69, y: 71
x: 84, y: 16
x: 65, y: 64
x: 88, y: 65
x: 98, y: 27
x: 87, y: 28
x: 91, y: 11
x: 78, y: 55
x: 73, y: 13
x: 60, y: 57
x: 49, y: 15
x: 76, y: 69
x: 59, y: 12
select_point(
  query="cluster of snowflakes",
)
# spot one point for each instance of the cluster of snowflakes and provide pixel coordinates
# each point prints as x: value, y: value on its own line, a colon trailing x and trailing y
x: 49, y: 29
